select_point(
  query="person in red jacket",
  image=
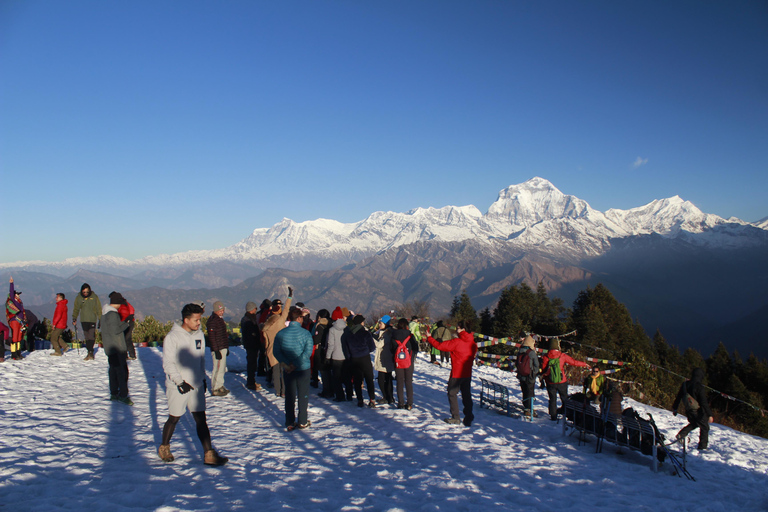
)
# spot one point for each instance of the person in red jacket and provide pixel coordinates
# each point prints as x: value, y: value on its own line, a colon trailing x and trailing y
x: 463, y: 350
x: 59, y: 325
x: 127, y: 314
x: 553, y: 370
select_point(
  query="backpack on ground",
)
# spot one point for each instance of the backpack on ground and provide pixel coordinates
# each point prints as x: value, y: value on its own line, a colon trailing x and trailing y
x: 555, y: 373
x: 402, y: 354
x: 523, y: 363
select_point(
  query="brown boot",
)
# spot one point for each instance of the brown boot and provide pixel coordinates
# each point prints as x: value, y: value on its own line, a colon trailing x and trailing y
x: 164, y: 452
x: 214, y: 459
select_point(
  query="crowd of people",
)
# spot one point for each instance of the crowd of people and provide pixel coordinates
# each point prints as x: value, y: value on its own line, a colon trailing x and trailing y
x: 335, y: 352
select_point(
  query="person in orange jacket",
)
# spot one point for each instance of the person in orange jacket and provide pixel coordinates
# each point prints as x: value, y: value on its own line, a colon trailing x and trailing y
x: 463, y: 350
x: 553, y: 370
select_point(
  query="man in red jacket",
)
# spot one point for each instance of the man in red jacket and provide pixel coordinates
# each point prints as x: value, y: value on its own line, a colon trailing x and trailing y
x: 59, y: 324
x: 462, y: 350
x: 553, y: 370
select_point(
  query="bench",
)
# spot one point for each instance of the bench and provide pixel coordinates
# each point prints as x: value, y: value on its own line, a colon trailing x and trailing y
x: 495, y: 395
x: 586, y: 419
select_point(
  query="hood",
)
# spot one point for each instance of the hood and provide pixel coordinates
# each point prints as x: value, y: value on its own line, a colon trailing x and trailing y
x: 63, y: 302
x: 529, y: 341
x: 697, y: 377
x: 107, y: 308
x: 177, y: 328
x: 339, y: 325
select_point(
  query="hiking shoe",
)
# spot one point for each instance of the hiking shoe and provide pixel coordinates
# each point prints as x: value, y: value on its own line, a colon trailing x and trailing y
x: 89, y: 357
x: 305, y: 425
x: 220, y: 392
x: 164, y: 452
x: 64, y: 349
x: 125, y: 400
x: 408, y: 407
x: 468, y: 421
x: 212, y: 458
x: 452, y: 421
x: 113, y: 397
x: 55, y: 354
x: 253, y: 387
x: 360, y: 403
x: 291, y: 428
x: 382, y: 401
x: 372, y: 404
x: 131, y: 358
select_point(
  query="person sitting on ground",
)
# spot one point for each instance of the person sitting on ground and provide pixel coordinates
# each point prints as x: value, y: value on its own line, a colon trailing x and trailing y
x: 594, y: 385
x: 463, y: 350
x: 553, y: 369
x: 359, y: 344
x: 693, y: 396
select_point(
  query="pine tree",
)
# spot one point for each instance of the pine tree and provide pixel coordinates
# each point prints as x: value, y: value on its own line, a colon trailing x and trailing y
x: 462, y: 310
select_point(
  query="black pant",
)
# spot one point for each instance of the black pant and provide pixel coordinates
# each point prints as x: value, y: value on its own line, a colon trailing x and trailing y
x: 129, y: 340
x: 553, y: 390
x: 463, y: 384
x: 261, y: 365
x: 362, y: 369
x: 118, y: 374
x: 386, y: 386
x: 696, y: 420
x: 251, y: 365
x: 404, y: 377
x: 528, y: 387
x: 316, y: 364
x: 337, y: 378
x: 89, y: 333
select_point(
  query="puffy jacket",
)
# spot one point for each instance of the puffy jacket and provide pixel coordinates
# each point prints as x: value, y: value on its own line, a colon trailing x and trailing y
x: 335, y: 350
x: 463, y: 350
x: 358, y: 341
x: 60, y: 315
x: 184, y: 356
x: 293, y: 345
x: 125, y: 311
x: 249, y: 329
x: 382, y: 361
x: 112, y: 331
x: 217, y: 333
x: 563, y: 360
x: 400, y: 335
x: 89, y: 308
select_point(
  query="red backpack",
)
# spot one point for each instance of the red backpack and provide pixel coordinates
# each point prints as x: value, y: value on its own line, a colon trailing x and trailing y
x: 402, y: 354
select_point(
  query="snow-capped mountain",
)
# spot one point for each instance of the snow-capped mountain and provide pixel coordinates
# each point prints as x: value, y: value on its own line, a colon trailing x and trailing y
x: 531, y: 216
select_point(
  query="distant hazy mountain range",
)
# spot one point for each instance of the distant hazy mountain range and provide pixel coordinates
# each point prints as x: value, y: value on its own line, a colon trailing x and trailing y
x: 698, y: 277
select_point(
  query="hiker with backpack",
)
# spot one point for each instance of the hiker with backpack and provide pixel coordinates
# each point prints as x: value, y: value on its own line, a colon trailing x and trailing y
x: 463, y: 350
x: 528, y: 367
x: 553, y: 369
x: 403, y: 347
x: 693, y: 396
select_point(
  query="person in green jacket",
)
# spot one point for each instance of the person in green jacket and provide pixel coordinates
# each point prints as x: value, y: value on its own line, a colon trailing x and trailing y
x: 594, y: 385
x: 88, y: 306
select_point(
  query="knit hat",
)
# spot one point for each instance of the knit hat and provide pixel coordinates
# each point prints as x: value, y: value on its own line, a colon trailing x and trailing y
x: 337, y: 314
x: 359, y: 319
x: 345, y: 312
x: 554, y: 344
x: 529, y: 341
x: 250, y: 306
x: 218, y: 306
x: 385, y: 319
x: 116, y: 298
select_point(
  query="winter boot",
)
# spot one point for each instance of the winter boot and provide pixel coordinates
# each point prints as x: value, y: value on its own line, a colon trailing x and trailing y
x: 164, y: 452
x: 89, y: 357
x: 214, y: 459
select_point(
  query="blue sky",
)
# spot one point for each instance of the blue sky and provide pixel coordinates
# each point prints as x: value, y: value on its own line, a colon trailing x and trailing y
x: 139, y: 128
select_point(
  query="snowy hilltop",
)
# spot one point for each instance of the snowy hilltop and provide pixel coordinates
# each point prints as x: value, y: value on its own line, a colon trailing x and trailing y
x: 531, y: 216
x: 66, y: 446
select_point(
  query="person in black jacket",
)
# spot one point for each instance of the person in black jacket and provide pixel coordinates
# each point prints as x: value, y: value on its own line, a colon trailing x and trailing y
x: 404, y: 376
x: 358, y: 343
x: 694, y: 399
x: 320, y: 341
x: 249, y: 329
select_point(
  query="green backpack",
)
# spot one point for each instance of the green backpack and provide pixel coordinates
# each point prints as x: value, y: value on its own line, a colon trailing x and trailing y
x: 555, y: 375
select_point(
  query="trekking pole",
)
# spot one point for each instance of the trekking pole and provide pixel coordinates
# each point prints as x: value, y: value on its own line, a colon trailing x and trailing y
x: 77, y: 342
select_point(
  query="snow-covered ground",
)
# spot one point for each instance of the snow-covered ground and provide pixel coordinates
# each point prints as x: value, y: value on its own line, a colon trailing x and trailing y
x: 65, y: 446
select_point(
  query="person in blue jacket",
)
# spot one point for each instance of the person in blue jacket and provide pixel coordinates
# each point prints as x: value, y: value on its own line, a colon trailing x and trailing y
x: 293, y: 350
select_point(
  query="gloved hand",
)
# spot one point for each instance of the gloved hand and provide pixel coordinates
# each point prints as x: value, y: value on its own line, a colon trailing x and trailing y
x: 217, y: 354
x: 290, y: 291
x: 184, y: 387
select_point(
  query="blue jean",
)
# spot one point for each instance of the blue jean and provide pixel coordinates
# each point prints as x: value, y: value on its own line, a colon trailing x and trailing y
x: 296, y: 386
